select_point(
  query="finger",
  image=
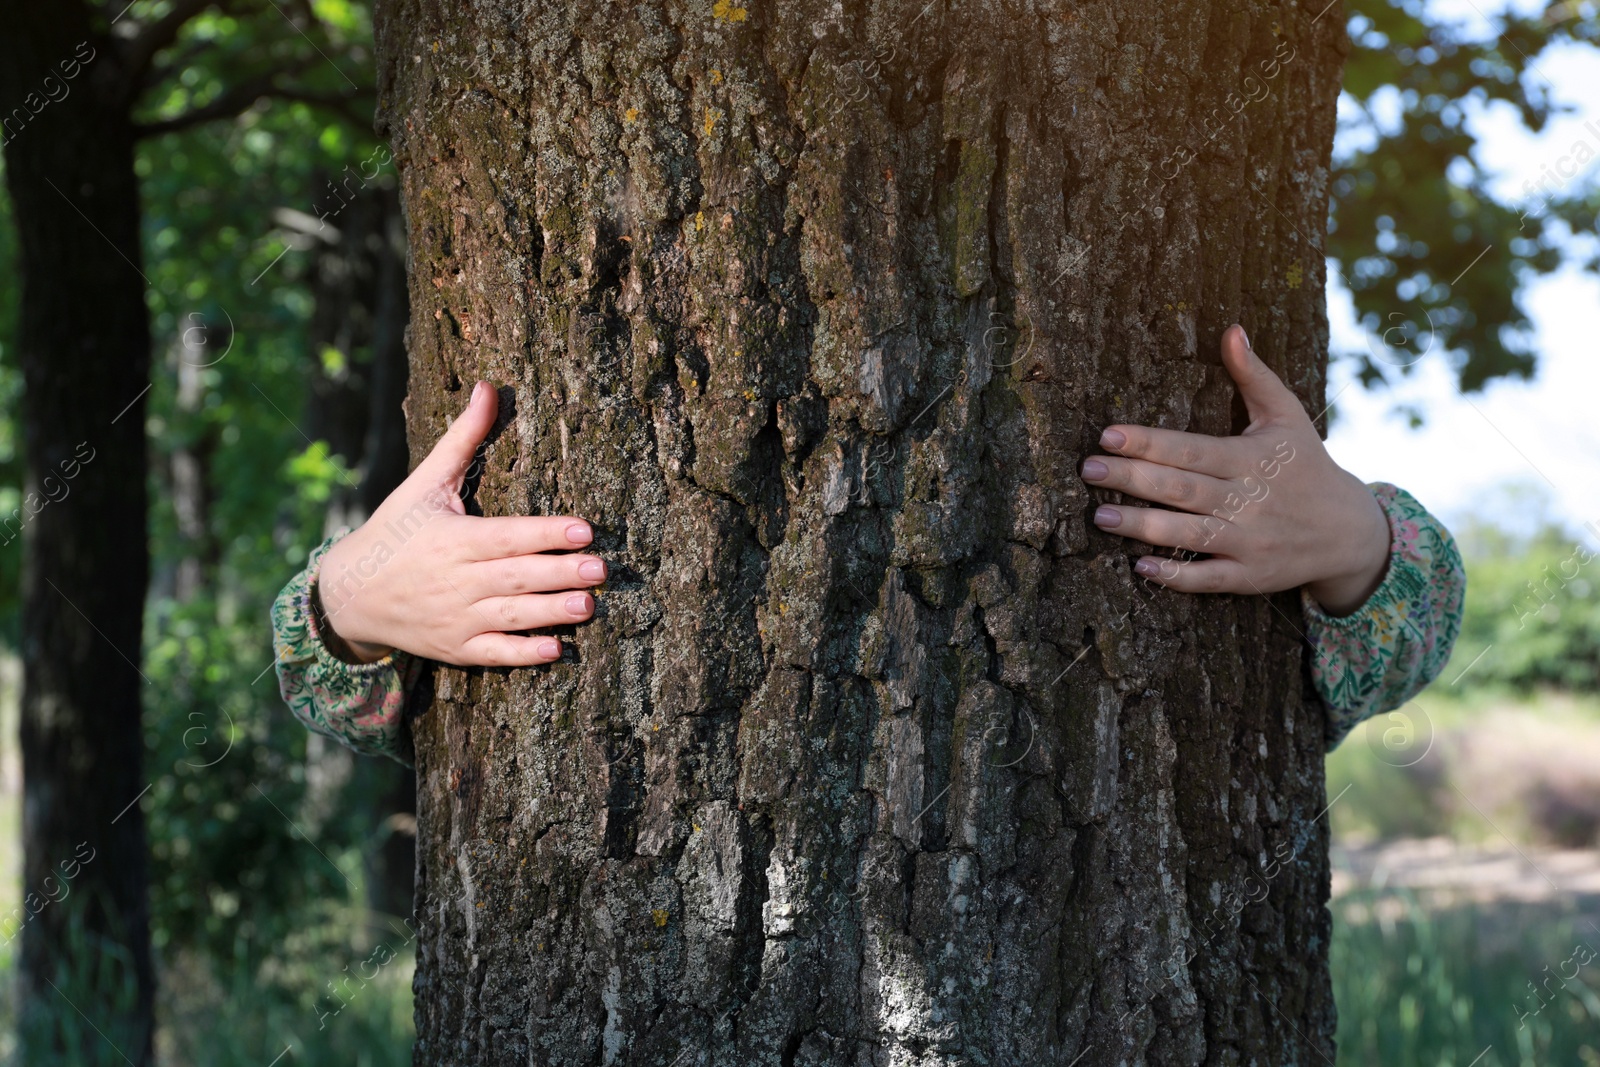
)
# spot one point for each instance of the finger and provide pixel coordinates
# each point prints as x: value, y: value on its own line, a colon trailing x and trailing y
x: 539, y: 573
x: 1157, y: 482
x: 1197, y: 533
x: 1265, y: 395
x: 508, y: 650
x: 533, y: 611
x: 1195, y: 576
x: 451, y: 458
x: 519, y: 535
x: 1219, y: 457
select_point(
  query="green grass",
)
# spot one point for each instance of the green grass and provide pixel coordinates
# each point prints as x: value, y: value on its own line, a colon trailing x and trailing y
x: 303, y: 1009
x: 230, y: 1022
x: 1446, y: 988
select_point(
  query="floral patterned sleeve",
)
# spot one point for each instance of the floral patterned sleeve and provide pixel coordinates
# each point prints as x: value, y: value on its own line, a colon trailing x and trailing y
x: 1384, y: 653
x: 360, y: 705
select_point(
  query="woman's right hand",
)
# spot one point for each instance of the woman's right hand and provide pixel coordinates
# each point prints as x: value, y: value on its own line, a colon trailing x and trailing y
x: 423, y: 576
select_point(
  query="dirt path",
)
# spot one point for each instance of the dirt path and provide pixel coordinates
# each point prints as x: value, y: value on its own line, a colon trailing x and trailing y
x: 1450, y: 872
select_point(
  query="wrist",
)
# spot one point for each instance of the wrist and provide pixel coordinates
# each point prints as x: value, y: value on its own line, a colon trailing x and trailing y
x: 343, y: 646
x: 1342, y: 593
x: 349, y: 651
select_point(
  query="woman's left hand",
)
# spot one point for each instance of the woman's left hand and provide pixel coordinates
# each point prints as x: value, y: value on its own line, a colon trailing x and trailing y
x: 1271, y: 507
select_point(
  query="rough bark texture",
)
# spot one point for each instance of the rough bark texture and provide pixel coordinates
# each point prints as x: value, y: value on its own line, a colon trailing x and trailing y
x: 876, y: 752
x: 84, y: 350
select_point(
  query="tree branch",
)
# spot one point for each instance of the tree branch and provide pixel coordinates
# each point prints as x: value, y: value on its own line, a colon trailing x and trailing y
x: 175, y: 62
x: 357, y: 107
x: 231, y: 104
x: 154, y: 36
x: 238, y: 100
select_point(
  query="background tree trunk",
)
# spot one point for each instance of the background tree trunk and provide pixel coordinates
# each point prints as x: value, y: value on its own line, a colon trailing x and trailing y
x: 876, y: 752
x: 359, y: 286
x: 84, y: 349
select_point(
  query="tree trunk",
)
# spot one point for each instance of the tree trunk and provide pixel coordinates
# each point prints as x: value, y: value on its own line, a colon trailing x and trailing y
x: 189, y: 468
x: 84, y: 345
x: 876, y: 752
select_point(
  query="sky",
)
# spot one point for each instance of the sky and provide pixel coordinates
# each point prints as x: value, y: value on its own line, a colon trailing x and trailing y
x: 1541, y: 435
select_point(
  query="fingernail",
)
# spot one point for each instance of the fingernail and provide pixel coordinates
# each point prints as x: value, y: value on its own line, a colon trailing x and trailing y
x: 478, y: 391
x: 592, y: 570
x: 1246, y: 338
x: 1147, y: 567
x: 1094, y: 470
x: 578, y: 603
x: 1113, y: 439
x: 550, y: 648
x: 1107, y: 518
x: 579, y: 533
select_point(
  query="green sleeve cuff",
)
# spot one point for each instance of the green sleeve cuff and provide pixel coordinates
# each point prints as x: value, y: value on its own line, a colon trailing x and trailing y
x: 1384, y: 653
x: 360, y: 705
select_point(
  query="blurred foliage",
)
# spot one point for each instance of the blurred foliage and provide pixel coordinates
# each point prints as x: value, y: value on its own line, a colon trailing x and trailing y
x: 218, y: 1016
x: 240, y: 848
x: 258, y: 832
x: 1458, y: 986
x: 325, y: 1004
x: 1532, y: 614
x: 1434, y: 259
x: 1475, y: 763
x: 91, y: 966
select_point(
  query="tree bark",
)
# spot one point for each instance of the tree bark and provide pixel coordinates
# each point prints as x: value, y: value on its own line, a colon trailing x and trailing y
x: 876, y: 751
x: 84, y: 349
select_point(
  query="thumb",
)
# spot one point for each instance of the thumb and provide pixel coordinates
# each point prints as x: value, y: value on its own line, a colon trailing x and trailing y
x: 451, y: 458
x: 1265, y: 395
